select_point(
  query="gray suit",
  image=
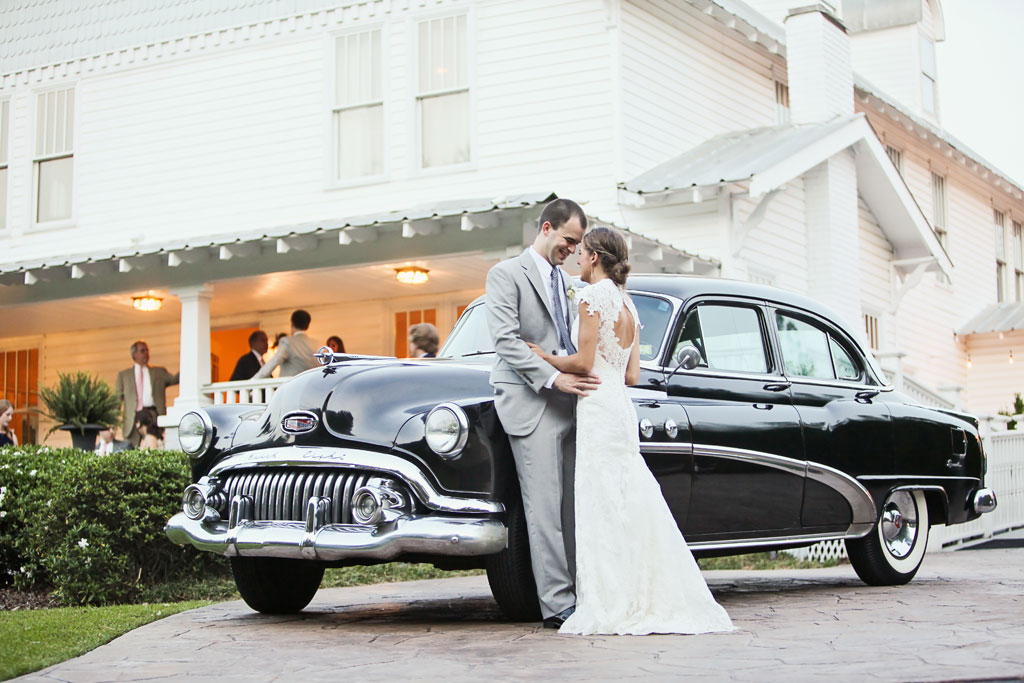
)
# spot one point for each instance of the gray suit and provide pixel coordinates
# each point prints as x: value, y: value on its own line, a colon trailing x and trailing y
x: 540, y: 422
x: 294, y: 355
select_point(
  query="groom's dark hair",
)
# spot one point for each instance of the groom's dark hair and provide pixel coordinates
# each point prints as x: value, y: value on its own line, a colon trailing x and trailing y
x: 559, y: 212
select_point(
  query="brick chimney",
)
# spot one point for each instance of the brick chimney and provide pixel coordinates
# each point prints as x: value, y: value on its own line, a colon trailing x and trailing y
x: 819, y: 64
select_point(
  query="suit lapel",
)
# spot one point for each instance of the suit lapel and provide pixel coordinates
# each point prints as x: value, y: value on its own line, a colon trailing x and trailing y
x: 535, y: 278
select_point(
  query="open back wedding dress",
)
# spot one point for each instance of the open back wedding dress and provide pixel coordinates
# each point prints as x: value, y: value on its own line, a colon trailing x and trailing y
x: 634, y: 572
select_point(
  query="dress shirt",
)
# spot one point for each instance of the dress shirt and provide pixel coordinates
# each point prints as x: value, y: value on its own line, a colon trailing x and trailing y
x: 147, y: 386
x: 545, y: 274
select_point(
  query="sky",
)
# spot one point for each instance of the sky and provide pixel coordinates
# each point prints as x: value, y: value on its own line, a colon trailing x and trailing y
x: 981, y: 80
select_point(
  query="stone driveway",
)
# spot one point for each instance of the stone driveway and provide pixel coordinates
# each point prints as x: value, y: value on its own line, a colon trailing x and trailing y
x: 962, y: 618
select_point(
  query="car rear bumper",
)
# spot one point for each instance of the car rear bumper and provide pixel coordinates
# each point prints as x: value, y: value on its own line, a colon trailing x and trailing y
x: 433, y: 535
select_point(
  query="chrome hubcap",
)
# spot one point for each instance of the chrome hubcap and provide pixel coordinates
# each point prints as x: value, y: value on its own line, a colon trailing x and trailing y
x: 899, y: 524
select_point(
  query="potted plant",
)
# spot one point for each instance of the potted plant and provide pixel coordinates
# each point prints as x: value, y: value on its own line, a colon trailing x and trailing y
x: 82, y: 405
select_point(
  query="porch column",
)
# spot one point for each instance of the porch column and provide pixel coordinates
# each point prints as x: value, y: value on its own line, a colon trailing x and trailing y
x: 195, y: 345
x: 194, y: 360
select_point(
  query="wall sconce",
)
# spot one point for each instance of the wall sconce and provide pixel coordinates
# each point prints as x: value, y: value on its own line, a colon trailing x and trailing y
x: 1011, y: 356
x: 412, y: 275
x: 969, y: 360
x: 147, y: 303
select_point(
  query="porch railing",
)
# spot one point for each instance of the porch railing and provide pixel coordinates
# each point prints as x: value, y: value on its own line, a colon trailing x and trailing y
x: 243, y: 391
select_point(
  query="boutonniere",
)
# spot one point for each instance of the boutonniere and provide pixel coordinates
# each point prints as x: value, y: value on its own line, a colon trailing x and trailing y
x: 570, y: 291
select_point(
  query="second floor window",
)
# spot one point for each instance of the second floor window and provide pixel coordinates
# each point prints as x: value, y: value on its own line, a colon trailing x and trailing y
x: 1000, y: 238
x: 1018, y: 261
x: 5, y: 107
x: 939, y: 216
x: 782, y: 114
x: 53, y: 163
x: 896, y: 156
x: 928, y: 75
x: 358, y: 106
x: 442, y: 93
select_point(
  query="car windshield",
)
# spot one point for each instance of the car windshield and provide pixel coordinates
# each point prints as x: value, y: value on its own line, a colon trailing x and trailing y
x: 472, y: 338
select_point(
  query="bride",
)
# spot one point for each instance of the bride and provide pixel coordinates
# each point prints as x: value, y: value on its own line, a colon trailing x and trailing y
x: 634, y: 572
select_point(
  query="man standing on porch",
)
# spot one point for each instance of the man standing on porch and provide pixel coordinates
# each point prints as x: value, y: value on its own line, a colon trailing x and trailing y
x: 294, y: 352
x: 142, y: 387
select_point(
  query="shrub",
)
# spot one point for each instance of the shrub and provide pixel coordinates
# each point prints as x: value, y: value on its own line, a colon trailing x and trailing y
x: 91, y: 526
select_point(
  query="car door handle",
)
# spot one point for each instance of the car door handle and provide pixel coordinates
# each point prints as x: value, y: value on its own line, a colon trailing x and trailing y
x: 778, y: 386
x: 764, y: 406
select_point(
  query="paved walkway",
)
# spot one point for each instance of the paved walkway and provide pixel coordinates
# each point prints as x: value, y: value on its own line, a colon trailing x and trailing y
x: 962, y: 618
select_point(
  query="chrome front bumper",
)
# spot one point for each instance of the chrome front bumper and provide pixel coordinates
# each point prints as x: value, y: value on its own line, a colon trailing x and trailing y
x: 983, y: 500
x: 434, y: 535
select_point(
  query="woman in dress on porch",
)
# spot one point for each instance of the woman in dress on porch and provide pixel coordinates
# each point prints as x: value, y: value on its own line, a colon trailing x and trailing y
x: 7, y: 436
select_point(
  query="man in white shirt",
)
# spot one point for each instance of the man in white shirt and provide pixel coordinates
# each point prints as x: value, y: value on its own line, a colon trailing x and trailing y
x: 294, y: 352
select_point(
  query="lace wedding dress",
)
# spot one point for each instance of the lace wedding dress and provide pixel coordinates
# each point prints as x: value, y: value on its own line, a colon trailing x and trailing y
x: 634, y: 572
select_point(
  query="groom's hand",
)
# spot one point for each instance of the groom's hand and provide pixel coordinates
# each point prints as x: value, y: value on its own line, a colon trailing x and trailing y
x: 576, y: 384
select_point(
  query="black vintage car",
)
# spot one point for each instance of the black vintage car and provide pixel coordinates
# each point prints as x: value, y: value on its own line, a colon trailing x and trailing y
x: 766, y: 423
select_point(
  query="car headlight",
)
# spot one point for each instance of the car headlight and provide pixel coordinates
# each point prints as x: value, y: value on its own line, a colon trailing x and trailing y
x: 195, y: 432
x: 447, y: 429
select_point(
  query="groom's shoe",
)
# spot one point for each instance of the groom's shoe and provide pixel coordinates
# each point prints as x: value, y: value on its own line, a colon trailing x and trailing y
x: 556, y: 620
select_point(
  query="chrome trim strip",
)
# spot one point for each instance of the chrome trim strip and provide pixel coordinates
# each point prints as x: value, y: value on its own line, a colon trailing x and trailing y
x: 665, y: 447
x: 883, y: 477
x: 426, y: 535
x: 778, y: 462
x: 862, y: 505
x: 837, y: 384
x: 773, y: 540
x: 351, y: 458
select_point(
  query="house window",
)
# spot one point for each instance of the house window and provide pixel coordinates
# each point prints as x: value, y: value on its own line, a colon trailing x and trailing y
x: 871, y: 330
x: 19, y: 384
x: 53, y: 165
x: 5, y: 106
x: 939, y: 216
x: 443, y: 92
x: 406, y: 319
x: 1018, y: 262
x: 928, y: 75
x: 358, y: 106
x: 781, y: 103
x: 896, y: 156
x: 1000, y: 239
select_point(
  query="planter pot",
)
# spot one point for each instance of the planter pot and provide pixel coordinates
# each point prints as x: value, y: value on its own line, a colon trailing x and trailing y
x: 84, y: 437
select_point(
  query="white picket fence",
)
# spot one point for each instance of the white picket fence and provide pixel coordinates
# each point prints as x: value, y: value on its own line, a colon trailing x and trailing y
x: 1005, y: 476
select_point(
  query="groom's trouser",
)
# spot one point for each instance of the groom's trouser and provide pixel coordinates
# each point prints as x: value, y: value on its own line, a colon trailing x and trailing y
x: 546, y: 463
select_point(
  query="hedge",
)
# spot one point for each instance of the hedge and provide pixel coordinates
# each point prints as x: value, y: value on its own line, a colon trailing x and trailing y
x: 90, y: 527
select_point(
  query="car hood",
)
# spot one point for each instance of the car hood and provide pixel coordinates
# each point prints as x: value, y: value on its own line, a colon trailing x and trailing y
x: 365, y: 402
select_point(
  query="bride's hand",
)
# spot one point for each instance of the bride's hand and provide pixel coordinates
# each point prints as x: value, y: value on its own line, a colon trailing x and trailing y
x: 537, y: 350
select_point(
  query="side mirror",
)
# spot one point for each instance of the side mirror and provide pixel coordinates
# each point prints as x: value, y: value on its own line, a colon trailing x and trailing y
x: 687, y: 357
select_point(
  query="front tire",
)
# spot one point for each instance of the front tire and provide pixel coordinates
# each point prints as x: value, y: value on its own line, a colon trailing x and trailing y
x: 892, y: 553
x: 274, y: 585
x: 510, y: 573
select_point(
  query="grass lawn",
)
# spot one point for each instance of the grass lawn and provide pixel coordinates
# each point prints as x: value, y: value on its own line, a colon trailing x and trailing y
x: 34, y: 639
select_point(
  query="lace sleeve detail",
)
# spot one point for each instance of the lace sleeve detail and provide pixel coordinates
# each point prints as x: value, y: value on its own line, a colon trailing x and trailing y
x: 604, y: 300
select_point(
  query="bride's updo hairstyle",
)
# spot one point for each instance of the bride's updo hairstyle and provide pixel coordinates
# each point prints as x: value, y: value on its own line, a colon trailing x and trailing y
x: 612, y: 251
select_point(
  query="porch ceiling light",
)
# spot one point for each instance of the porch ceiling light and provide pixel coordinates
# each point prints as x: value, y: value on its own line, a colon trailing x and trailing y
x: 412, y: 275
x: 147, y: 303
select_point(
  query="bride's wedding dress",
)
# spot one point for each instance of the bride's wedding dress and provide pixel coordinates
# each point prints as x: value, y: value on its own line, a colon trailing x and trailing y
x: 634, y: 572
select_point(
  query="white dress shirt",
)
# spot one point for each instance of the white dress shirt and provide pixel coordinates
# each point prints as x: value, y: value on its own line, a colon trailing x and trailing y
x: 545, y: 273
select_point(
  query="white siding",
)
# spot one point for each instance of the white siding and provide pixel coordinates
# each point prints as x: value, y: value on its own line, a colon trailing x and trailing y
x: 889, y: 60
x: 992, y: 380
x: 778, y: 246
x: 684, y: 80
x: 236, y: 139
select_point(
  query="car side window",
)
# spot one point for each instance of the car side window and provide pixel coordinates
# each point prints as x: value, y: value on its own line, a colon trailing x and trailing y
x: 728, y: 337
x: 809, y: 351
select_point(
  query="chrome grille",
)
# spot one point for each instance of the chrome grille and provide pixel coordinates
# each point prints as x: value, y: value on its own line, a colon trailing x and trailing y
x: 282, y: 493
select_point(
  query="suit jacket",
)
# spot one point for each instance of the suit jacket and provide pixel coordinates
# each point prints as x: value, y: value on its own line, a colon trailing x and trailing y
x: 519, y: 310
x: 247, y: 366
x: 294, y: 355
x: 159, y: 377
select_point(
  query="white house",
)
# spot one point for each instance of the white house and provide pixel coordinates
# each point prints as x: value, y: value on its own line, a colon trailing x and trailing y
x: 239, y: 161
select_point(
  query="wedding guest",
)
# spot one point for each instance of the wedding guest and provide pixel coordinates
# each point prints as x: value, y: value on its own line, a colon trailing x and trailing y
x: 7, y: 435
x: 105, y: 441
x: 294, y: 352
x: 336, y: 344
x: 142, y: 387
x: 423, y: 341
x: 251, y: 362
x: 151, y: 436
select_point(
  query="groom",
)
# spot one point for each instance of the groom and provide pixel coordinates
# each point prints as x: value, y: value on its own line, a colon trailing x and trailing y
x: 527, y: 302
